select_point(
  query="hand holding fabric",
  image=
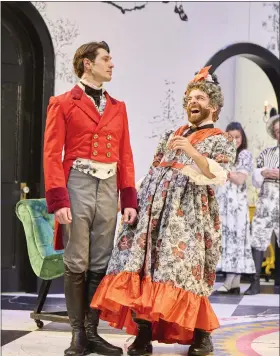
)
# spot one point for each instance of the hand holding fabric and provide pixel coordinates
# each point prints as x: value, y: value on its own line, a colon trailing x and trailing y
x: 182, y: 143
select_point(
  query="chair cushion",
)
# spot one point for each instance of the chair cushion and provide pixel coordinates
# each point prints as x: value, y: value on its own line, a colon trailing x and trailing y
x: 39, y: 228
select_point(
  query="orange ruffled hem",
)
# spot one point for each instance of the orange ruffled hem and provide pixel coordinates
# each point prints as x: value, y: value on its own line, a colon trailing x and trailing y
x: 174, y: 312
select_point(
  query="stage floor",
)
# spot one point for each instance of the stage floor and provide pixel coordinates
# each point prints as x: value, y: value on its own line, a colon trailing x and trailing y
x: 249, y: 326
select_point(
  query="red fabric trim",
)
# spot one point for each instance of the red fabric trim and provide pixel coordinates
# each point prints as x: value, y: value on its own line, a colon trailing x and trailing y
x: 57, y: 198
x: 198, y: 136
x: 172, y: 164
x: 58, y: 237
x: 128, y: 198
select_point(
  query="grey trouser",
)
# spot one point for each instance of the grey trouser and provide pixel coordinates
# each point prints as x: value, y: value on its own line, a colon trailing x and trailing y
x: 89, y: 239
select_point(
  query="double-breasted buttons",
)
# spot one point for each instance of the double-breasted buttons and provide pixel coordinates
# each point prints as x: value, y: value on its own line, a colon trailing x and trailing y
x: 109, y: 145
x: 95, y: 144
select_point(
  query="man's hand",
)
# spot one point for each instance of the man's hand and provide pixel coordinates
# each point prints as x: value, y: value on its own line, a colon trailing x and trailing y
x: 273, y: 173
x: 182, y: 143
x: 129, y: 216
x: 63, y: 216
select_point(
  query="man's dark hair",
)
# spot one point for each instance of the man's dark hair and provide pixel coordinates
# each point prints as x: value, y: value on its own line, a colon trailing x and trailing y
x: 90, y: 51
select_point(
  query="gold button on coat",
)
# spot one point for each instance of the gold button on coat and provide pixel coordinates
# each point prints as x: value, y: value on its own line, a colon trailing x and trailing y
x: 95, y: 136
x: 95, y: 144
x: 109, y: 137
x: 108, y: 154
x: 94, y: 153
x: 109, y: 145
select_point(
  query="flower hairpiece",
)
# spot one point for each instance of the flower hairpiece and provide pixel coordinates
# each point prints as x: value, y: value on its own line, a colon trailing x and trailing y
x: 203, y: 74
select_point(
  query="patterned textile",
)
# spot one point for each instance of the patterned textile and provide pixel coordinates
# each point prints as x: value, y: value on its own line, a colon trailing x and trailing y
x: 266, y: 218
x: 163, y: 268
x: 177, y: 237
x: 95, y: 169
x: 269, y: 158
x: 236, y: 238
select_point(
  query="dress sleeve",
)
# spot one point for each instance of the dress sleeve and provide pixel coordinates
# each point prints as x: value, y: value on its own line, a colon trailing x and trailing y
x: 257, y: 178
x: 57, y: 196
x: 245, y: 162
x: 220, y: 161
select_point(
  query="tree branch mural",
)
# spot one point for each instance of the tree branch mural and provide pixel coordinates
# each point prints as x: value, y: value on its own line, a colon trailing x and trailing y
x: 178, y: 8
x: 169, y: 118
x: 63, y: 33
x: 272, y: 25
x: 123, y: 9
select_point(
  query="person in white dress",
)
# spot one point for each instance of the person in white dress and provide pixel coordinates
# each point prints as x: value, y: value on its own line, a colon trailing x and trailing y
x: 233, y: 201
x: 266, y: 217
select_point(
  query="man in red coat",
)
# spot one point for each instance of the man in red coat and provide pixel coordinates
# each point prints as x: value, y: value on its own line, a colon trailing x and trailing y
x: 82, y: 188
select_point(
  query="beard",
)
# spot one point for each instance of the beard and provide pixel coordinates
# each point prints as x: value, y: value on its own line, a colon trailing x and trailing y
x: 197, y: 119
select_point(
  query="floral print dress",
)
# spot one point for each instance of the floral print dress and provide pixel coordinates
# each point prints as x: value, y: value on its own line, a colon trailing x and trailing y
x: 236, y: 238
x: 267, y: 216
x: 163, y: 268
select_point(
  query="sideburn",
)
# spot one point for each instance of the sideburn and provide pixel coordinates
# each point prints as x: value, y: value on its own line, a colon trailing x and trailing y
x: 204, y: 114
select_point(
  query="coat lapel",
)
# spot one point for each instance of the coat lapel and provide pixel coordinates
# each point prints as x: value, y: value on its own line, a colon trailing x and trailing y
x: 85, y: 104
x: 111, y: 110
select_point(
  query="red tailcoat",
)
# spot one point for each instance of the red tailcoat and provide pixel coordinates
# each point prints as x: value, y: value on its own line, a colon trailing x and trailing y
x: 73, y: 123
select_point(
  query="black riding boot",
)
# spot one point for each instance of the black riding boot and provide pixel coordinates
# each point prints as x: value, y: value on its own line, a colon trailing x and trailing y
x: 255, y: 286
x: 74, y: 289
x: 95, y: 342
x: 142, y: 345
x: 202, y: 344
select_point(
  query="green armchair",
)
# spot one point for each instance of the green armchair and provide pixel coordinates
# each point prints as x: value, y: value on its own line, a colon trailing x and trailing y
x: 46, y: 263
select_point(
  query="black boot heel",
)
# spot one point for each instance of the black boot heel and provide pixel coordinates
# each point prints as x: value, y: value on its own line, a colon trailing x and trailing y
x: 142, y: 345
x: 235, y: 291
x: 96, y: 344
x: 78, y: 343
x: 202, y: 345
x: 255, y: 287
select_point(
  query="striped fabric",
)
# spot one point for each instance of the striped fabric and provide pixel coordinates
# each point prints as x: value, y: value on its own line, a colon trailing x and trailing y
x: 269, y: 158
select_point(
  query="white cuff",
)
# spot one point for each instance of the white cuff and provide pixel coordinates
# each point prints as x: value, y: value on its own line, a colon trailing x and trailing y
x: 198, y: 178
x: 243, y: 171
x: 257, y: 178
